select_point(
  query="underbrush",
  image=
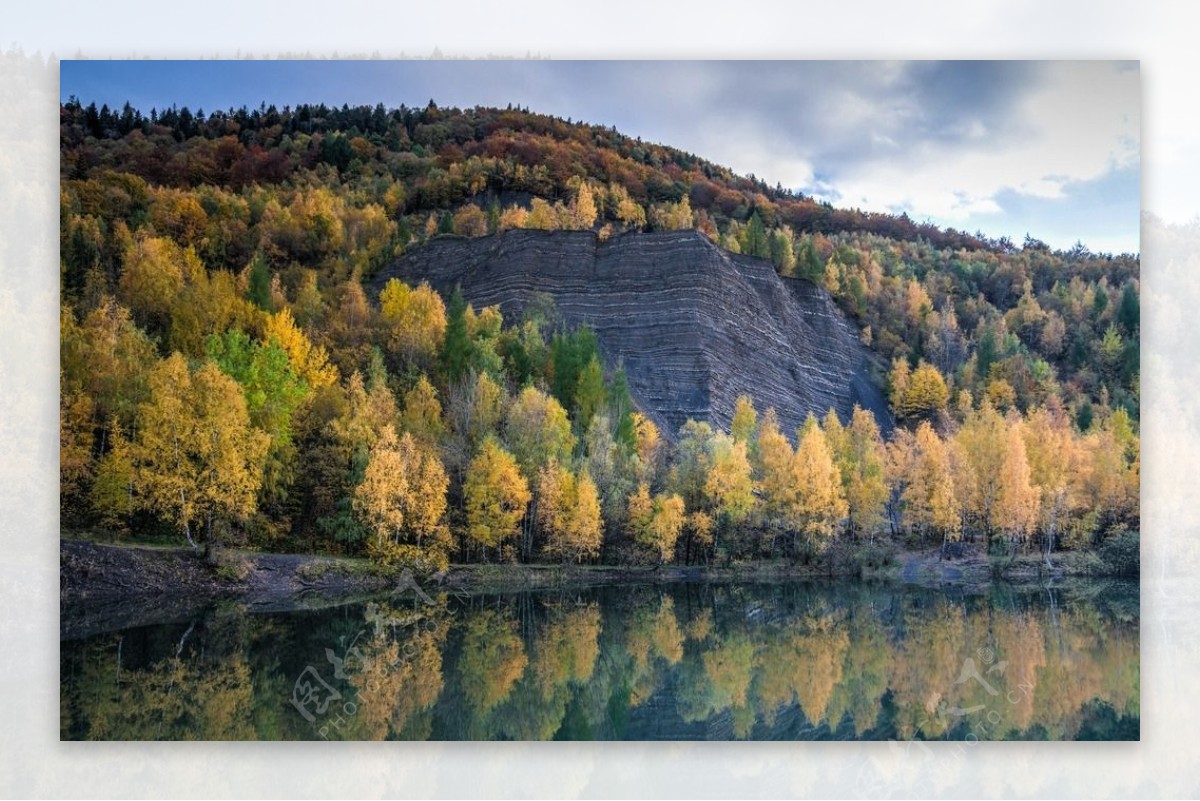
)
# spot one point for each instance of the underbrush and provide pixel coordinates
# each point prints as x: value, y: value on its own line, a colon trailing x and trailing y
x: 229, y: 565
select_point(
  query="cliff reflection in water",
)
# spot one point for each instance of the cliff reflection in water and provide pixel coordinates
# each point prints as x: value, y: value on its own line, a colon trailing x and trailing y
x: 766, y: 661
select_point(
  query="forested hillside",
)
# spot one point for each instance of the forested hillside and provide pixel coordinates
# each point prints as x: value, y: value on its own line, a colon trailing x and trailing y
x: 226, y: 376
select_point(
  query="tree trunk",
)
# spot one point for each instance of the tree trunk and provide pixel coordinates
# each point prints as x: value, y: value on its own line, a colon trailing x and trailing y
x: 187, y: 528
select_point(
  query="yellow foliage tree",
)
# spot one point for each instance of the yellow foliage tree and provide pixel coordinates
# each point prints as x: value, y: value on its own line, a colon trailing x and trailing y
x: 1114, y: 480
x: 422, y: 416
x: 640, y: 511
x: 541, y: 215
x: 112, y: 491
x: 402, y: 500
x: 309, y: 361
x: 646, y: 443
x: 656, y: 522
x: 152, y: 277
x: 513, y: 217
x: 1001, y: 394
x: 365, y: 415
x: 496, y: 495
x: 926, y: 393
x: 745, y: 420
x: 208, y: 304
x: 930, y: 501
x: 415, y: 319
x: 76, y: 437
x: 583, y: 207
x: 820, y: 501
x: 470, y: 220
x: 776, y: 476
x: 1054, y: 462
x: 493, y: 659
x: 667, y: 523
x: 1015, y: 512
x: 568, y: 512
x: 859, y: 453
x: 197, y: 458
x: 672, y: 216
x: 107, y: 357
x: 979, y: 451
x: 475, y: 407
x: 728, y: 485
x: 628, y: 211
x: 538, y: 430
x: 700, y: 524
x: 396, y: 686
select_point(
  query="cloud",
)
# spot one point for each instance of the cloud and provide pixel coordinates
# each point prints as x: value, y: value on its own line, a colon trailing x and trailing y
x: 1078, y: 123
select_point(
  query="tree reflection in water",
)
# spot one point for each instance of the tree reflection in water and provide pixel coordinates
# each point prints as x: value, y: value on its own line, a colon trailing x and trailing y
x: 766, y: 661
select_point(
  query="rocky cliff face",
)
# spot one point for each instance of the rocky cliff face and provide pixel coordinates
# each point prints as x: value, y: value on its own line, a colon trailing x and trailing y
x: 694, y: 326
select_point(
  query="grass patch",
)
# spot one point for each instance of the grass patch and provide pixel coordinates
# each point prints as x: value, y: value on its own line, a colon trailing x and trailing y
x: 323, y: 567
x: 230, y: 565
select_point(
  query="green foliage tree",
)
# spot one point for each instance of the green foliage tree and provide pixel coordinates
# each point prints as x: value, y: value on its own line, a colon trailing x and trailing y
x: 259, y: 291
x: 272, y: 391
x: 570, y: 354
x: 456, y: 345
x: 589, y: 393
x: 754, y: 238
x: 538, y: 431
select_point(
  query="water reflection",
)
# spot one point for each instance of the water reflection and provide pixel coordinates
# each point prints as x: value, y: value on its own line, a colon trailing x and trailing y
x: 783, y: 661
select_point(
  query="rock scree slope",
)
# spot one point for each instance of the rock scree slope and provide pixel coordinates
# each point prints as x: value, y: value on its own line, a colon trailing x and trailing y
x: 694, y: 326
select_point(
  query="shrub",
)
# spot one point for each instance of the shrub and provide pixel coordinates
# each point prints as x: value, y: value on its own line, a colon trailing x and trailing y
x: 1082, y: 563
x: 1121, y: 553
x: 874, y: 556
x: 396, y: 555
x: 228, y: 565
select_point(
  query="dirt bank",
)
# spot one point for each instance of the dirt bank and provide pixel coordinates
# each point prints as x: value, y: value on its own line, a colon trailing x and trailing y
x: 107, y: 587
x: 96, y: 573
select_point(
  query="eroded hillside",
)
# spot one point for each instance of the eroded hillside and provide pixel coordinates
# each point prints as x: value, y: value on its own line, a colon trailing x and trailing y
x: 693, y: 325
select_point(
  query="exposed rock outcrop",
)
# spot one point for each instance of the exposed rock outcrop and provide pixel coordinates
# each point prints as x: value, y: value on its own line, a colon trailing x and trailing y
x: 693, y: 325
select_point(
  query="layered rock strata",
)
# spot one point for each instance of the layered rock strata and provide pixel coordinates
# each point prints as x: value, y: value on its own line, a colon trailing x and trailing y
x: 693, y: 325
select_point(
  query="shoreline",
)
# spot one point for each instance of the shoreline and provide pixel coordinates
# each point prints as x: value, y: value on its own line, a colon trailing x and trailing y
x: 109, y: 586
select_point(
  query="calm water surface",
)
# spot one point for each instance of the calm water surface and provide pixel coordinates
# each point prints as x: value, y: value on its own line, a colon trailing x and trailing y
x: 791, y: 661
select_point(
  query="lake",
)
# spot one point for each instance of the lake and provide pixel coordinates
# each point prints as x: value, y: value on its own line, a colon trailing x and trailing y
x: 781, y: 661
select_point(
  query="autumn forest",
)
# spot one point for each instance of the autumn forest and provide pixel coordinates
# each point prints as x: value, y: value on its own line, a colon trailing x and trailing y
x: 228, y: 378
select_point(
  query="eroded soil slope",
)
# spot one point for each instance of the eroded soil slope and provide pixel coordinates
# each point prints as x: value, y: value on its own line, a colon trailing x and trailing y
x: 694, y: 326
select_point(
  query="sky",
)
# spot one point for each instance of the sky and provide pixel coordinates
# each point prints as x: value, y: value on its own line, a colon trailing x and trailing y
x: 1008, y: 148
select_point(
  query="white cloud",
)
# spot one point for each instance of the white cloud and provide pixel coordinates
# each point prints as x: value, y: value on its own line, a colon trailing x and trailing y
x: 1078, y: 124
